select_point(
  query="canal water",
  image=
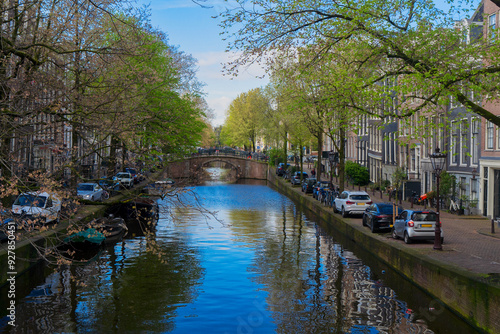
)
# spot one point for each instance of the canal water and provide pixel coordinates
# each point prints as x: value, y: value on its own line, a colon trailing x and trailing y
x: 261, y: 265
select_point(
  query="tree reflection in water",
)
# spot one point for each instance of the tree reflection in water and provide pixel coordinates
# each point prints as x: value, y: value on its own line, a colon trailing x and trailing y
x: 125, y: 290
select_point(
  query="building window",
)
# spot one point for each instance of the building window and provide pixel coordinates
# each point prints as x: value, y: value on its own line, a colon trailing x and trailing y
x: 490, y: 135
x: 463, y: 186
x: 455, y: 149
x: 473, y: 189
x: 492, y: 26
x: 475, y: 140
x: 464, y: 143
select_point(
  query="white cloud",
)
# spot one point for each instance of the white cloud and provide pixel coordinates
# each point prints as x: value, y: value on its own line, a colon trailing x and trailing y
x: 219, y: 105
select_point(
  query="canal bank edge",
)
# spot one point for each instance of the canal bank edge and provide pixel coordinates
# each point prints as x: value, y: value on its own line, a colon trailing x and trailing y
x: 463, y: 292
x: 26, y: 254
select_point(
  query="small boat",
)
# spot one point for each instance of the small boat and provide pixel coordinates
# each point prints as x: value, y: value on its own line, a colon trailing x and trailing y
x: 113, y: 228
x: 81, y: 245
x: 159, y: 188
x: 143, y: 209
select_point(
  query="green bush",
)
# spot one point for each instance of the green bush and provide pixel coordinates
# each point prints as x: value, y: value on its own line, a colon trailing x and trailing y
x: 358, y: 174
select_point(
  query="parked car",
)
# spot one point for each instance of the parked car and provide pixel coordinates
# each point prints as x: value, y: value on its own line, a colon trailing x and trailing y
x: 281, y: 169
x: 308, y: 185
x: 320, y: 186
x: 110, y: 185
x: 39, y: 206
x: 125, y: 179
x: 379, y: 216
x: 295, y: 179
x: 90, y: 191
x: 352, y: 202
x: 415, y: 225
x: 138, y: 177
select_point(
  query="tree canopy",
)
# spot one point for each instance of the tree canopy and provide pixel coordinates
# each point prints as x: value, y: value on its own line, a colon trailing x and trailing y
x: 412, y: 43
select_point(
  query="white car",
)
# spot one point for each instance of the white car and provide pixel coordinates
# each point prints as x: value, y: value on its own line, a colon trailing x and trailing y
x: 352, y: 202
x: 90, y: 191
x: 38, y: 206
x: 126, y: 179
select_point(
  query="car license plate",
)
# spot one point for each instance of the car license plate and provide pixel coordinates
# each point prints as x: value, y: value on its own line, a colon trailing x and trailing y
x: 426, y: 225
x: 360, y: 203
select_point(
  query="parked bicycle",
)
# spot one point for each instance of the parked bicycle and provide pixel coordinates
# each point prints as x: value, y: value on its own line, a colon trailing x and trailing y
x: 454, y: 207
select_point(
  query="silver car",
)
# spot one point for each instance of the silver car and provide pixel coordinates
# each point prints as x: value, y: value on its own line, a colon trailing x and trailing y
x: 415, y: 225
x: 90, y: 191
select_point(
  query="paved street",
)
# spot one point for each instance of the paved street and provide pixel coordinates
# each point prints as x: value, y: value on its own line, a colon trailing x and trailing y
x: 468, y: 241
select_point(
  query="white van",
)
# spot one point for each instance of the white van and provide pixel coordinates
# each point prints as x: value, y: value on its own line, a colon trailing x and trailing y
x: 40, y: 206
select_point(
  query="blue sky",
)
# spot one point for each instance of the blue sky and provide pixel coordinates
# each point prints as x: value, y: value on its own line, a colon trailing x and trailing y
x: 193, y: 29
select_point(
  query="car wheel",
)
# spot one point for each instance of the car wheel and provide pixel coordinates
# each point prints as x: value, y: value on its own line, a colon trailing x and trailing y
x: 364, y: 221
x: 335, y: 208
x: 407, y: 239
x: 92, y: 198
x: 394, y: 234
x: 372, y: 227
x: 344, y: 213
x: 442, y: 241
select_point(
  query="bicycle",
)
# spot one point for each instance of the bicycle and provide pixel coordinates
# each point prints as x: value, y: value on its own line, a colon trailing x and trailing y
x: 454, y: 207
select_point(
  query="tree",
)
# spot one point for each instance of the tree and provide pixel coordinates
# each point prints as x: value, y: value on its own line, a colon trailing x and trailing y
x: 244, y: 119
x: 415, y: 43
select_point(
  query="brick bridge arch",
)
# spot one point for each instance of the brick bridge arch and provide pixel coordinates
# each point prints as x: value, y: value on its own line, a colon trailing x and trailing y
x: 244, y: 168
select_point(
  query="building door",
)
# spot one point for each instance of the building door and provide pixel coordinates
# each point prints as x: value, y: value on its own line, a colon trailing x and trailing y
x: 485, y: 198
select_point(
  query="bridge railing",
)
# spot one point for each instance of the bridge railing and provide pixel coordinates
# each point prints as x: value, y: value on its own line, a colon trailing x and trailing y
x: 231, y: 153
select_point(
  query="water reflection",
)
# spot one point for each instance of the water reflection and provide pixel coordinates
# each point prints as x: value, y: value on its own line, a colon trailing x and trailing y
x: 262, y: 266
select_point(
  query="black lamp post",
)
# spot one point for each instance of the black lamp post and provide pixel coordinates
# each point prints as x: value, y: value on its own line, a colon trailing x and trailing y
x: 438, y: 161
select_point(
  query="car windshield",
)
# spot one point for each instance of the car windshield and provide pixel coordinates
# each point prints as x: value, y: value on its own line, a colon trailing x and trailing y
x: 31, y: 200
x: 386, y: 209
x: 360, y: 197
x: 133, y: 171
x: 122, y: 175
x: 424, y: 217
x: 85, y: 187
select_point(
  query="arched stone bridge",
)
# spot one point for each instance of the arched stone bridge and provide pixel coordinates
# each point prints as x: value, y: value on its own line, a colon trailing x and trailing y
x: 244, y: 168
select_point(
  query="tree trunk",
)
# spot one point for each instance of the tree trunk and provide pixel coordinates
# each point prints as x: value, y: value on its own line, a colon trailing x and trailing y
x: 320, y: 151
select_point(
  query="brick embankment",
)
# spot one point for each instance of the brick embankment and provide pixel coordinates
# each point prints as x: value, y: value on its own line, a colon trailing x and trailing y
x: 465, y: 275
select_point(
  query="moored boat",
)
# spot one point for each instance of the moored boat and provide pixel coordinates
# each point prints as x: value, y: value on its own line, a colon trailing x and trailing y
x: 113, y: 228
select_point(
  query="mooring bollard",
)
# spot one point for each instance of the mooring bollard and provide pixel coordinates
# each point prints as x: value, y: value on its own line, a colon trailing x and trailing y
x: 381, y: 194
x: 493, y: 226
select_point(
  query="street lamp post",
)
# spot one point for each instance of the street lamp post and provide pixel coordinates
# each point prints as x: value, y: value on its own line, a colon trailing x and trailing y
x: 438, y: 161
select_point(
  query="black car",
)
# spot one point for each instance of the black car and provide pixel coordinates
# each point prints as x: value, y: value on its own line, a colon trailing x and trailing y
x: 308, y: 184
x: 378, y: 216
